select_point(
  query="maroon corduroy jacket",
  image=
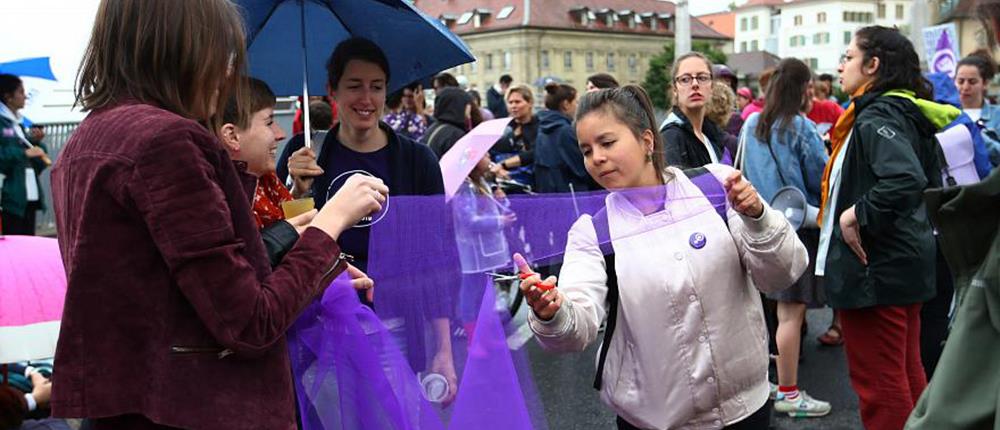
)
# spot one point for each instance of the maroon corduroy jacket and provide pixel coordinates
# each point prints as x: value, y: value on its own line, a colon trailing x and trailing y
x: 172, y: 310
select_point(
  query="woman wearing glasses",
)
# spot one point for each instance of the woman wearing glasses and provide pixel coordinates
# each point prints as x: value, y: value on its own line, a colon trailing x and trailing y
x: 690, y: 140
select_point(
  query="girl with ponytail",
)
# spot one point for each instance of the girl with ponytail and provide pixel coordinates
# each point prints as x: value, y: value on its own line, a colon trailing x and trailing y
x: 666, y: 261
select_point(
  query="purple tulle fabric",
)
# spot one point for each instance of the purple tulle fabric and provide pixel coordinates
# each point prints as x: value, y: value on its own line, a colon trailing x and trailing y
x: 355, y: 368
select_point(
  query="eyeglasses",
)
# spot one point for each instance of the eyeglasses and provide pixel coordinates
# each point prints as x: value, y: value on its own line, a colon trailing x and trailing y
x: 685, y: 80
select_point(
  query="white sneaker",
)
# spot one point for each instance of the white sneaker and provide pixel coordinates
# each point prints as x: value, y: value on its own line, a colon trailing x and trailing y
x: 803, y: 406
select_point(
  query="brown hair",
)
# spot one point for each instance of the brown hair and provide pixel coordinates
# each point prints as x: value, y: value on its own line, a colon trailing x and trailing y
x: 258, y: 96
x: 523, y: 90
x: 174, y: 54
x: 556, y: 94
x: 721, y: 104
x: 631, y: 105
x: 676, y: 67
x: 784, y: 99
x: 983, y: 62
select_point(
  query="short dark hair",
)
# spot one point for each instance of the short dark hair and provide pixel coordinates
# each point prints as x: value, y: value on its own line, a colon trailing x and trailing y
x: 8, y: 84
x: 320, y: 115
x: 825, y: 77
x: 355, y: 48
x: 899, y: 65
x: 506, y: 79
x: 603, y: 80
x: 394, y: 100
x: 445, y: 79
x: 556, y: 94
x: 257, y: 96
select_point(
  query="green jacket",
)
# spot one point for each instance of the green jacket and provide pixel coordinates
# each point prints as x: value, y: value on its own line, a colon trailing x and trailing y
x: 13, y: 165
x: 965, y: 390
x: 892, y: 157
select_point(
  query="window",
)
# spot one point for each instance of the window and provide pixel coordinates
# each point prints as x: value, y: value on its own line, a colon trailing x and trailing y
x: 847, y: 37
x: 507, y: 59
x: 881, y: 10
x: 489, y: 61
x: 899, y: 11
x: 793, y: 41
x: 798, y: 20
x: 545, y: 60
x: 821, y: 38
x: 633, y: 64
x: 505, y: 12
x: 568, y: 60
x: 753, y: 46
x: 743, y: 47
x: 821, y: 17
x: 743, y: 24
x: 590, y: 61
x: 753, y: 23
x: 864, y: 17
x: 464, y: 19
x: 611, y: 62
x: 473, y: 67
x: 811, y: 62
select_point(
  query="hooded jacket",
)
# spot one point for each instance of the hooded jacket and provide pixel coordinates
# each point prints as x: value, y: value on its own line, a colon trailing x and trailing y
x: 683, y: 148
x: 558, y: 160
x: 449, y: 125
x: 890, y: 159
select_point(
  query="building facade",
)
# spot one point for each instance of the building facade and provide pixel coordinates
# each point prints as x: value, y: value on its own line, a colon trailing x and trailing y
x: 566, y: 42
x: 816, y: 31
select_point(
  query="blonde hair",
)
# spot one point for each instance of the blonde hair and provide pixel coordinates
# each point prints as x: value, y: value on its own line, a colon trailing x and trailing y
x: 523, y: 90
x: 174, y: 54
x: 721, y: 104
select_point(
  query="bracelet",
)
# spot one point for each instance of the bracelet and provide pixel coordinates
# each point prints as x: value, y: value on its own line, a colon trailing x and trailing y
x: 30, y: 400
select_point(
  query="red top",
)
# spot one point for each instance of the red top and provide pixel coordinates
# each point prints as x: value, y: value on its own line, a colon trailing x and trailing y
x: 172, y: 310
x: 825, y: 112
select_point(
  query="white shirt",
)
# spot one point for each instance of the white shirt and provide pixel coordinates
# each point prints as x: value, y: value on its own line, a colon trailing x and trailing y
x: 826, y: 228
x: 975, y: 114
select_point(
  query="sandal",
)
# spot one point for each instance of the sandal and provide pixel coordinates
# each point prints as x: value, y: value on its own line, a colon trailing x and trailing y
x: 834, y: 336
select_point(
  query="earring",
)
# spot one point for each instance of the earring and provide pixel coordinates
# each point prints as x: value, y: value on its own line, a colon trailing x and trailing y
x: 649, y: 157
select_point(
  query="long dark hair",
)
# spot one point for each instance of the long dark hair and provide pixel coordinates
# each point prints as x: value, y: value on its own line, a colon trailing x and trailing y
x: 631, y: 105
x: 899, y: 65
x: 785, y: 96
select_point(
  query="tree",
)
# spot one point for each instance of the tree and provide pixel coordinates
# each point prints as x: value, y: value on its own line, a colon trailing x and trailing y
x: 658, y: 76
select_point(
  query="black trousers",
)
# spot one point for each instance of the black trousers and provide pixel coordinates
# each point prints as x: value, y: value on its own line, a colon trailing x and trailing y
x: 934, y: 318
x: 759, y: 420
x: 21, y: 226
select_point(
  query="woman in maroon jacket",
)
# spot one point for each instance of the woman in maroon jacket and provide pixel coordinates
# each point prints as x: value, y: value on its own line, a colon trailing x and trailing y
x: 173, y: 316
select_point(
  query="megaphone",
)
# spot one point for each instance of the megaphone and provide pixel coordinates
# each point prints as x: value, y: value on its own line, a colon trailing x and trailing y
x: 791, y: 202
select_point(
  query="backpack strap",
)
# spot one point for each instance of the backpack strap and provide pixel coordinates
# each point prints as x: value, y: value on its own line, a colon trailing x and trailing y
x: 600, y: 220
x: 710, y: 187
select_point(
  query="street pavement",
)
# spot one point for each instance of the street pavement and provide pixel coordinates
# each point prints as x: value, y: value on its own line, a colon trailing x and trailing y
x: 564, y: 382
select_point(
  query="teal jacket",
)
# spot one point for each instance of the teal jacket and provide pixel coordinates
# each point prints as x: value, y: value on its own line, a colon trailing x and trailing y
x: 965, y: 390
x: 13, y: 165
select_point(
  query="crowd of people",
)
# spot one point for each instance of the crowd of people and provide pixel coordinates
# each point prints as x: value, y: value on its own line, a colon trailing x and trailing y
x: 174, y: 183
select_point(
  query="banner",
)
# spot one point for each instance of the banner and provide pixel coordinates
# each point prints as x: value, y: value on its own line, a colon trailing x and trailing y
x: 941, y: 47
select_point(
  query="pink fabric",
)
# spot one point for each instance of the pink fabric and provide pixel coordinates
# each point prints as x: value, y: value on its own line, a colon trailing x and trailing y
x: 461, y: 158
x: 756, y: 106
x: 32, y: 280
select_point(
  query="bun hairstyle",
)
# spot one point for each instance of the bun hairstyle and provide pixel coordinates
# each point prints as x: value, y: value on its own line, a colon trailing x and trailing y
x: 983, y: 61
x: 631, y: 106
x: 603, y: 80
x: 556, y: 94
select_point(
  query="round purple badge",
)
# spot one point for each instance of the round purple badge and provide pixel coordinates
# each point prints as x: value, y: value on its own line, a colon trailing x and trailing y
x: 697, y: 240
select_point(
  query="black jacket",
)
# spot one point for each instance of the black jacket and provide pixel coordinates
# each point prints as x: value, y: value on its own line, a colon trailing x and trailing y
x: 558, y: 160
x: 682, y: 147
x: 890, y: 159
x: 496, y: 104
x: 449, y: 124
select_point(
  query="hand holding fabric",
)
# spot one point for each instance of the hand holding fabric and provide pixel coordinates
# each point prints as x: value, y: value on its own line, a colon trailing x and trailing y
x: 743, y: 196
x: 361, y: 282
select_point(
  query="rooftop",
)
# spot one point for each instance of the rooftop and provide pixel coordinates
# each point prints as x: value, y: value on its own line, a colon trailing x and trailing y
x: 722, y: 22
x: 620, y: 16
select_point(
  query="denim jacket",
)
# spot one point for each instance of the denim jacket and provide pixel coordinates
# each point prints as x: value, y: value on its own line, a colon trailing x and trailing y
x: 990, y: 120
x: 799, y: 156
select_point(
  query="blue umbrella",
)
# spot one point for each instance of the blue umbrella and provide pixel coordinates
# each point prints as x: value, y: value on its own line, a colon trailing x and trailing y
x: 284, y: 35
x: 29, y: 67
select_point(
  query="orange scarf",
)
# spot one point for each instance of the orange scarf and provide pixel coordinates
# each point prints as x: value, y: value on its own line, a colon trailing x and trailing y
x: 838, y: 138
x: 267, y: 199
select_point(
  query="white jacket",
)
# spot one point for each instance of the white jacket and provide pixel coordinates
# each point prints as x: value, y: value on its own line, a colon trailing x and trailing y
x: 690, y: 347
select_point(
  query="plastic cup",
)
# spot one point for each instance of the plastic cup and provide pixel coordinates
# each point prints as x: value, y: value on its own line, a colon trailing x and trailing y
x: 435, y: 387
x: 294, y: 208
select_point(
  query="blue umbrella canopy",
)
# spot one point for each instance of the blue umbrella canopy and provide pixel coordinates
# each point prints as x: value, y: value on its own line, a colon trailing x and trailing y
x: 284, y: 35
x: 29, y: 67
